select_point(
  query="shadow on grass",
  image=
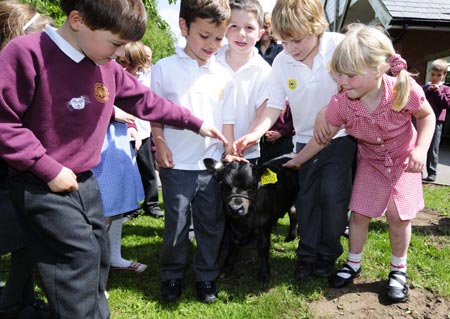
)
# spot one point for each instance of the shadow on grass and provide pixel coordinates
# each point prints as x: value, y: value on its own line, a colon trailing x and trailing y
x: 442, y: 228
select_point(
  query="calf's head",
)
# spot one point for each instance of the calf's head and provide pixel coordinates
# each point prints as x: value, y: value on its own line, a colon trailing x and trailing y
x: 239, y: 182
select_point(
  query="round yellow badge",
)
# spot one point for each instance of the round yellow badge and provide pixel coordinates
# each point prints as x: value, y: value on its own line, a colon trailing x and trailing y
x: 101, y: 92
x: 292, y: 84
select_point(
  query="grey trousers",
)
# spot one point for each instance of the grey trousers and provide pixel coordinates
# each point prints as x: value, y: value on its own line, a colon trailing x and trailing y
x: 68, y: 242
x: 186, y: 194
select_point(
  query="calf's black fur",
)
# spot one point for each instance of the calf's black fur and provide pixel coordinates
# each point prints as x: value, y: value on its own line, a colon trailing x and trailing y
x: 254, y: 201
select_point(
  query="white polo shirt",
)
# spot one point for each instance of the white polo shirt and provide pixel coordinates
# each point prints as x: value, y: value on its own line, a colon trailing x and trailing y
x: 252, y: 81
x: 208, y: 92
x: 308, y: 90
x: 143, y: 127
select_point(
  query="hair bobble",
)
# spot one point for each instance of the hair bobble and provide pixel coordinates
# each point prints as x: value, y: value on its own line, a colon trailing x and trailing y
x: 397, y: 64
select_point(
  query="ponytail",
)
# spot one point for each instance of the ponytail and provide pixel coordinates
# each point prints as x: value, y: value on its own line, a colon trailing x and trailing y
x: 403, y: 86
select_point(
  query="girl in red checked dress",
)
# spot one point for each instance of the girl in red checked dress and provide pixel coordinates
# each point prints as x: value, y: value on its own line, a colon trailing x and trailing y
x: 377, y: 109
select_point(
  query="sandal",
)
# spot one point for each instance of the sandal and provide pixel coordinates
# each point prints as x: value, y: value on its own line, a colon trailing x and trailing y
x: 337, y: 281
x: 396, y: 294
x: 134, y: 266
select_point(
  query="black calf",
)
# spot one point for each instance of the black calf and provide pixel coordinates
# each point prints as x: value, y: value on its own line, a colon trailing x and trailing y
x: 255, y: 197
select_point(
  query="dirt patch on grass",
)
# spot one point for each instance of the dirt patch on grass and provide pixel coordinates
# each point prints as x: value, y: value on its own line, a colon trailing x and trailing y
x: 366, y: 299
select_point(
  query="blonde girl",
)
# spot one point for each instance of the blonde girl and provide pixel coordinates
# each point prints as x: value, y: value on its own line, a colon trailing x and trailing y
x: 377, y: 109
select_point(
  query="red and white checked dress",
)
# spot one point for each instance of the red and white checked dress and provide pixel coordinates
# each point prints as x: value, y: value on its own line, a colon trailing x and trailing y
x: 385, y: 139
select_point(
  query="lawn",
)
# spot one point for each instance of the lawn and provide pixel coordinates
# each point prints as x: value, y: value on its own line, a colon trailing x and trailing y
x: 138, y: 295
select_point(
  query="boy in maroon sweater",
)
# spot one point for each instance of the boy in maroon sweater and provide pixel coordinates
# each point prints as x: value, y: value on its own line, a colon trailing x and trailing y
x: 57, y: 92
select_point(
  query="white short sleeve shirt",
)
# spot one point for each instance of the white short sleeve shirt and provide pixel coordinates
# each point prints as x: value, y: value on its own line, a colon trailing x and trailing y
x: 308, y: 90
x: 208, y: 92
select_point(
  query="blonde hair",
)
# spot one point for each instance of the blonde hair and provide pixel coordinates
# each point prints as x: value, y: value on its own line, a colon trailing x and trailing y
x: 440, y: 65
x: 293, y: 18
x: 15, y: 20
x: 135, y: 56
x: 367, y: 47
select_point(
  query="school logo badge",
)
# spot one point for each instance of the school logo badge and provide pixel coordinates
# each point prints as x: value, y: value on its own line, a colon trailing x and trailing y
x: 292, y: 84
x: 101, y: 93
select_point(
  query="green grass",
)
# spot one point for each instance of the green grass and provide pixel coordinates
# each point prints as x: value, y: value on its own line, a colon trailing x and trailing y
x: 138, y: 295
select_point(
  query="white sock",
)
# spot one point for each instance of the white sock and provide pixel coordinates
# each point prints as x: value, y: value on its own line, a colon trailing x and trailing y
x: 115, y: 238
x: 398, y: 263
x: 354, y: 261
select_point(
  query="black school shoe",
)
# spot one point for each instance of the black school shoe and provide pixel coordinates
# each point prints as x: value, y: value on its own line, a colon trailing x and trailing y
x: 153, y: 211
x: 324, y: 266
x: 303, y: 270
x: 206, y: 291
x: 337, y: 281
x: 171, y: 290
x: 396, y: 294
x: 38, y: 310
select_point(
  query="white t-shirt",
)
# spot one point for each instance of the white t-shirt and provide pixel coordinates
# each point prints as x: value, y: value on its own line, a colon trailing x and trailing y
x: 252, y: 81
x: 208, y: 92
x: 308, y: 90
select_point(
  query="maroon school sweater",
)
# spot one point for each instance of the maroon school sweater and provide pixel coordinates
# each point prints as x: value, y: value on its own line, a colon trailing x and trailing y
x: 54, y: 112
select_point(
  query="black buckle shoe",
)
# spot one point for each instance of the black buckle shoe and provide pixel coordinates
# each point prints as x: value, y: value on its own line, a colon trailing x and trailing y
x: 396, y: 294
x: 171, y: 290
x: 206, y: 291
x: 154, y: 212
x: 324, y: 266
x: 303, y: 270
x: 337, y: 281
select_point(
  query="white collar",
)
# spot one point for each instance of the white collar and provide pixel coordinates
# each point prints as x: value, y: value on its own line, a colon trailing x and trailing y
x: 63, y: 45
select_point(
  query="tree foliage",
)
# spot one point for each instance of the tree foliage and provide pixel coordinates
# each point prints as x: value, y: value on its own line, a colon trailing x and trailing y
x: 158, y: 35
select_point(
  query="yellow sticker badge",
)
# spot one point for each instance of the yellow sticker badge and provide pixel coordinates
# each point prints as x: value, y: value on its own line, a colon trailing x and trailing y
x: 269, y: 177
x: 292, y: 84
x: 101, y: 92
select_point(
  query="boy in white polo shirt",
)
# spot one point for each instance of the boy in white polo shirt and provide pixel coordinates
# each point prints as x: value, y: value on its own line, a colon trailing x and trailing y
x: 249, y: 70
x: 300, y: 73
x: 193, y: 77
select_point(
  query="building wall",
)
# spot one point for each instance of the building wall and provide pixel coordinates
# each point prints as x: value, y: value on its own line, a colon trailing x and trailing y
x: 419, y: 47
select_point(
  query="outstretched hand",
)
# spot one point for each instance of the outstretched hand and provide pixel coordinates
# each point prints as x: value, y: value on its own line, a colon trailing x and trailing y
x: 233, y: 158
x: 211, y: 131
x: 244, y: 142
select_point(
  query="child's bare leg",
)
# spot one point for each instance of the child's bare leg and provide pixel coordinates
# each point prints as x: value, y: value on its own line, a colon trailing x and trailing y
x: 399, y: 231
x: 358, y: 229
x: 400, y: 237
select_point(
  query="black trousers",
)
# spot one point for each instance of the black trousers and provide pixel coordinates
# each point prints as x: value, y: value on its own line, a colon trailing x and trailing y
x: 146, y: 165
x: 322, y: 203
x: 68, y: 242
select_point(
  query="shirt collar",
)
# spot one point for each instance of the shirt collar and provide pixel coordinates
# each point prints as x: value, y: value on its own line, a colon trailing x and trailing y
x: 221, y: 56
x: 209, y: 65
x: 63, y: 45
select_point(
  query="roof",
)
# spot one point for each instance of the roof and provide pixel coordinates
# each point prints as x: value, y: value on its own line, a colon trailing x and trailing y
x: 418, y: 13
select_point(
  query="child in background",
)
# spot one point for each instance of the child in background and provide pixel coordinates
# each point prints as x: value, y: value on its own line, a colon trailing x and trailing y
x: 300, y: 74
x: 438, y: 95
x: 137, y: 61
x: 193, y: 78
x: 249, y: 70
x: 268, y: 46
x: 376, y: 109
x: 18, y: 296
x: 51, y: 137
x: 120, y: 184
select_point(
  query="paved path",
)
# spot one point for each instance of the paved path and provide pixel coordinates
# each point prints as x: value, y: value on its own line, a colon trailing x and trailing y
x: 443, y: 175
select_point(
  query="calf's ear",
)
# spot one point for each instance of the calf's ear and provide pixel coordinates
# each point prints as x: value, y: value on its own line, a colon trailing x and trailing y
x: 213, y: 166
